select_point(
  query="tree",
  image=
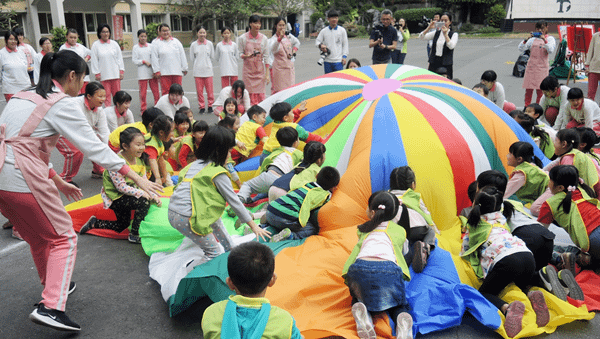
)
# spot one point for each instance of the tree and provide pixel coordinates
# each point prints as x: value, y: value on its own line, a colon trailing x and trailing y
x: 468, y: 4
x: 204, y: 11
x: 284, y: 7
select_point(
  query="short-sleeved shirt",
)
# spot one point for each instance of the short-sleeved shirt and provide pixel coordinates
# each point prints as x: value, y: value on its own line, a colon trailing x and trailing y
x: 389, y: 36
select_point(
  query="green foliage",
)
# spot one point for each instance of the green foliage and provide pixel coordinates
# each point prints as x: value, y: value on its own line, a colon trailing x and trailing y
x: 354, y: 29
x: 472, y: 1
x: 496, y: 15
x: 315, y: 16
x: 59, y: 37
x: 152, y: 31
x: 467, y: 27
x: 416, y: 14
x: 487, y: 30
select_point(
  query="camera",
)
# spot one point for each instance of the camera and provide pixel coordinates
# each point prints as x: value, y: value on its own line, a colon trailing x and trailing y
x: 378, y: 30
x: 424, y: 22
x: 255, y: 53
x: 287, y: 33
x: 536, y: 34
x: 323, y: 56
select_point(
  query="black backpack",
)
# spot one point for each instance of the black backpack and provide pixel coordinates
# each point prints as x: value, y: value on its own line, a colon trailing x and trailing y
x: 521, y: 64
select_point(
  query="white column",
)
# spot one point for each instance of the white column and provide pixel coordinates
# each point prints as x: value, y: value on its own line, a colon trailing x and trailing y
x: 110, y: 11
x: 135, y: 10
x: 58, y: 13
x: 33, y: 24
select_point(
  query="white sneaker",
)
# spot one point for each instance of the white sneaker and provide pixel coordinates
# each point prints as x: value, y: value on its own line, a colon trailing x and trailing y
x: 404, y: 325
x: 364, y: 322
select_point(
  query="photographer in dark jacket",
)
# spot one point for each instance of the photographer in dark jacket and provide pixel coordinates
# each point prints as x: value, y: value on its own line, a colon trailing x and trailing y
x: 383, y: 39
x: 444, y: 42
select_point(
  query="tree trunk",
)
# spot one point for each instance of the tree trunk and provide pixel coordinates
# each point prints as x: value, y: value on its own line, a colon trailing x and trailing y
x: 468, y: 6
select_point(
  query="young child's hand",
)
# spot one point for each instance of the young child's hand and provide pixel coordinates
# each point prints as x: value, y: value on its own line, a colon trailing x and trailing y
x: 157, y: 200
x: 302, y: 106
x: 178, y: 139
x: 260, y: 232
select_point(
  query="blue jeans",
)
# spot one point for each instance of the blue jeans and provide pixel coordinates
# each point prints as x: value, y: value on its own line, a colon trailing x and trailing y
x: 298, y: 232
x: 333, y: 66
x: 594, y: 250
x: 398, y: 57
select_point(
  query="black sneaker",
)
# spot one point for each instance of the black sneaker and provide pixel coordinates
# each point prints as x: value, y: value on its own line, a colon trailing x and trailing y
x: 210, y: 110
x: 72, y: 287
x: 88, y: 225
x: 568, y: 281
x: 134, y: 239
x: 549, y: 277
x: 202, y: 110
x: 53, y: 318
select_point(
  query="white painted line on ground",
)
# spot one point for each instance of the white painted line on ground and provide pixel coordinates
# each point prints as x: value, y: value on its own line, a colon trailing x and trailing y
x: 12, y: 247
x: 506, y: 43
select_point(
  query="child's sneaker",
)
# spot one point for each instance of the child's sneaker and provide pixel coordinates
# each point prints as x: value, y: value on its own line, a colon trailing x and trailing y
x: 584, y: 259
x: 514, y: 318
x: 549, y: 277
x: 404, y: 324
x: 88, y: 225
x: 364, y: 322
x: 539, y: 307
x: 72, y: 287
x: 420, y: 255
x: 230, y: 212
x: 568, y: 281
x: 569, y: 262
x: 134, y: 239
x: 283, y: 235
x: 53, y: 318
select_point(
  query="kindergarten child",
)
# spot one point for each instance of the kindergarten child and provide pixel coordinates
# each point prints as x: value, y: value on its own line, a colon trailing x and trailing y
x: 496, y: 91
x: 91, y: 105
x: 573, y: 208
x: 190, y: 143
x: 283, y: 116
x: 295, y: 214
x: 174, y: 100
x: 499, y: 258
x: 376, y: 270
x: 121, y: 195
x: 481, y: 89
x: 540, y: 136
x: 248, y: 314
x: 231, y: 108
x: 182, y: 125
x: 282, y: 160
x: 227, y: 54
x: 578, y: 112
x: 201, y: 55
x: 162, y: 130
x: 417, y: 219
x: 588, y: 138
x: 144, y: 126
x: 250, y: 133
x: 528, y: 181
x: 188, y: 112
x: 536, y: 112
x: 119, y: 114
x: 199, y: 199
x: 553, y: 100
x: 353, y: 63
x: 233, y: 123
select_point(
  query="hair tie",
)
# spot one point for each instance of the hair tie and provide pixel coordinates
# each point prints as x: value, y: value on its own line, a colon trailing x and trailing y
x: 381, y: 207
x: 571, y: 188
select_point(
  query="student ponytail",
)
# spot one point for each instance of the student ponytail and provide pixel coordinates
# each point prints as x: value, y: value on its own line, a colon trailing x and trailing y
x: 55, y: 66
x: 524, y: 150
x: 402, y: 178
x: 528, y: 124
x: 569, y: 135
x: 313, y: 151
x: 568, y: 177
x: 489, y: 199
x: 385, y: 205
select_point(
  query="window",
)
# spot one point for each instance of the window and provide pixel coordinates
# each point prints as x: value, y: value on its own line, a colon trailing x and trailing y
x: 175, y: 22
x: 148, y: 19
x: 126, y: 23
x: 45, y: 22
x: 181, y: 23
x: 90, y: 22
x: 100, y: 19
x: 186, y: 23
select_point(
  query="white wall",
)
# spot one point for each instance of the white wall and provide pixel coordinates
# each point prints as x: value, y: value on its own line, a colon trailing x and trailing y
x: 551, y: 9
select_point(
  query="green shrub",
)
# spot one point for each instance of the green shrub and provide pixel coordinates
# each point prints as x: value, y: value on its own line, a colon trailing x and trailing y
x: 488, y: 29
x: 496, y: 15
x: 59, y: 37
x: 152, y: 31
x: 466, y: 27
x: 315, y: 16
x: 416, y: 14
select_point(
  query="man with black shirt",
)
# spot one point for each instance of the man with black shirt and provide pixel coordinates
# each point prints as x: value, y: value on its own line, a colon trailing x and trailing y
x: 383, y: 39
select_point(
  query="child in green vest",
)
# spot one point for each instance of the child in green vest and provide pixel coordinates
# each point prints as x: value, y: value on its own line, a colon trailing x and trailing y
x: 144, y: 126
x: 279, y: 162
x: 527, y: 181
x: 295, y: 214
x: 230, y: 107
x: 248, y: 314
x: 181, y: 130
x: 540, y: 136
x: 283, y: 116
x: 251, y: 133
x: 121, y: 195
x: 233, y: 123
x: 588, y: 138
x: 422, y: 229
x: 376, y: 270
x: 499, y: 258
x: 574, y: 208
x: 204, y: 188
x: 189, y: 143
x: 162, y: 130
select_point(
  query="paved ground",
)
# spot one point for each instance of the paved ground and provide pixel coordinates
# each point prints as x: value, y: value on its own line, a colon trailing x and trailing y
x: 115, y: 297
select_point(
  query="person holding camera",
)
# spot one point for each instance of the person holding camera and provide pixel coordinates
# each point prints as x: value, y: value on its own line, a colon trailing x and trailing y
x: 283, y: 46
x: 383, y: 39
x: 399, y: 53
x: 540, y: 46
x: 425, y: 23
x: 444, y: 41
x: 333, y: 43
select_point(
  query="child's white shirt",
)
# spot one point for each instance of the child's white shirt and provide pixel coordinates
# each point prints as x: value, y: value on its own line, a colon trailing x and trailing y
x: 227, y: 55
x: 284, y: 161
x: 138, y: 56
x: 588, y: 114
x: 168, y: 108
x: 96, y: 119
x: 113, y: 121
x: 377, y: 245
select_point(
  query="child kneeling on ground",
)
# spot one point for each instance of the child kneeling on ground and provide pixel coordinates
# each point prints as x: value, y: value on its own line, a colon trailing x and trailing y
x: 248, y: 314
x: 295, y: 214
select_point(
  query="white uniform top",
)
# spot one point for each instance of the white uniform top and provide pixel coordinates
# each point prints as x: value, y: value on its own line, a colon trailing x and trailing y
x: 168, y: 57
x: 588, y: 114
x: 226, y: 93
x: 14, y: 71
x: 65, y: 118
x: 227, y: 55
x: 81, y: 50
x: 336, y: 40
x: 168, y: 108
x: 138, y: 55
x: 202, y: 55
x: 497, y: 96
x: 27, y: 49
x: 97, y: 119
x: 274, y: 45
x: 113, y: 120
x: 107, y: 60
x: 37, y: 61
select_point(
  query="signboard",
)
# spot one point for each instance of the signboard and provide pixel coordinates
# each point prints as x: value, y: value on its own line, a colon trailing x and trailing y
x: 584, y: 36
x: 555, y: 9
x: 117, y: 33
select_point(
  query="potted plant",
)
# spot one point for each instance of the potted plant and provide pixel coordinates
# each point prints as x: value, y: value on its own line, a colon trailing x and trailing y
x: 122, y: 43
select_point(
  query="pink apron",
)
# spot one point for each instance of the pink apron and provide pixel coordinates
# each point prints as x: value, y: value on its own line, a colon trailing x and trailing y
x: 537, y: 66
x: 254, y: 70
x: 283, y: 68
x: 32, y: 156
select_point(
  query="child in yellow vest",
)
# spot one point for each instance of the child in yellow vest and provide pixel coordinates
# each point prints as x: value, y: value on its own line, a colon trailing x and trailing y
x: 283, y: 116
x: 376, y: 270
x: 144, y: 126
x: 233, y: 123
x: 162, y: 131
x: 121, y: 195
x: 527, y: 181
x: 251, y: 133
x: 248, y: 314
x: 182, y: 129
x: 199, y: 199
x: 189, y: 143
x: 230, y: 107
x: 282, y: 160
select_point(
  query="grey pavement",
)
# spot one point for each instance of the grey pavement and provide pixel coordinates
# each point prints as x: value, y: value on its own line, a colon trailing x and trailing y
x: 115, y: 297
